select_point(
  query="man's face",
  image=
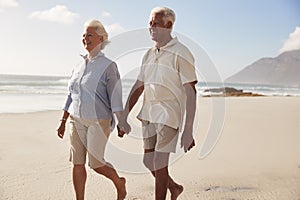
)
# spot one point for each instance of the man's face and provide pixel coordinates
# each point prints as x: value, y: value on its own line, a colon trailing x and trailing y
x: 157, y: 27
x: 91, y: 39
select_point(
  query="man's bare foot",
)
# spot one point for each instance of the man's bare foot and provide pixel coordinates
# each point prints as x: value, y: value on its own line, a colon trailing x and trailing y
x: 176, y: 191
x: 122, y: 189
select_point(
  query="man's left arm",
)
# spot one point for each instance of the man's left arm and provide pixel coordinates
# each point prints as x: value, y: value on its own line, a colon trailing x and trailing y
x: 187, y: 139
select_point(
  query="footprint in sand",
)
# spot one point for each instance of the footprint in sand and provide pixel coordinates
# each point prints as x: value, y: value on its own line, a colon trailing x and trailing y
x: 229, y: 189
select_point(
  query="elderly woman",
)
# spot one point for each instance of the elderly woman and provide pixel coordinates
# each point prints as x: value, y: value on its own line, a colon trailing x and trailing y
x: 95, y: 93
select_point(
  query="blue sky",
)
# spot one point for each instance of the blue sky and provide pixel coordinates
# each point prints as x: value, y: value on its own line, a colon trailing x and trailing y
x: 44, y: 37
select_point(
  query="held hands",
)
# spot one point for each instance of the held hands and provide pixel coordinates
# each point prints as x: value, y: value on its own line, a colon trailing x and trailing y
x: 187, y: 140
x: 123, y: 128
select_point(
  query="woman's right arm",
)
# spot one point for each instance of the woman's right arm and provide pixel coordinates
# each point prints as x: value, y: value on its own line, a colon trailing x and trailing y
x: 62, y: 127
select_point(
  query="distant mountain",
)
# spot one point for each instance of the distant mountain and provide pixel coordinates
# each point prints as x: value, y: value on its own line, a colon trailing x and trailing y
x: 281, y: 70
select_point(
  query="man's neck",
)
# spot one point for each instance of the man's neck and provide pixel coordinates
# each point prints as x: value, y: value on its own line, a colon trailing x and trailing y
x: 162, y: 43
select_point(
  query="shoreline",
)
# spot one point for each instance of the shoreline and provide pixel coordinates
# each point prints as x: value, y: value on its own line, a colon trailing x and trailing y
x: 199, y: 97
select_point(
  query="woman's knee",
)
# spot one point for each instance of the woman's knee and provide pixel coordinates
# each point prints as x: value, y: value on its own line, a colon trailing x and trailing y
x: 148, y: 158
x: 161, y: 160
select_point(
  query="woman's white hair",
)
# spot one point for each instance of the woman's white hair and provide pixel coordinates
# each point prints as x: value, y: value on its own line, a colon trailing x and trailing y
x: 168, y: 14
x: 100, y: 30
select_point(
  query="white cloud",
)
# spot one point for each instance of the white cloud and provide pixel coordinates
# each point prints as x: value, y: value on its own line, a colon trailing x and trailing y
x: 106, y: 14
x: 115, y: 29
x: 293, y: 42
x: 8, y: 3
x: 59, y: 14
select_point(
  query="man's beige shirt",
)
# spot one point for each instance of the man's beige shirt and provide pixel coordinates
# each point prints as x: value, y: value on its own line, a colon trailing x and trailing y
x: 164, y: 72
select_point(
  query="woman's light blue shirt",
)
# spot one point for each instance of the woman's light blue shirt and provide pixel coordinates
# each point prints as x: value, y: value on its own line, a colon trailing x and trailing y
x: 95, y: 90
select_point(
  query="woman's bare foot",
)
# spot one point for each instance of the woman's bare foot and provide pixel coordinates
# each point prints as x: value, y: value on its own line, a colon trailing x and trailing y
x: 176, y: 191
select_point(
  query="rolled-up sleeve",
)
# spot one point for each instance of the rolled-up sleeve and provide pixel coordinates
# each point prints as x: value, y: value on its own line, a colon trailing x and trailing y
x: 114, y: 88
x: 69, y: 97
x: 68, y: 102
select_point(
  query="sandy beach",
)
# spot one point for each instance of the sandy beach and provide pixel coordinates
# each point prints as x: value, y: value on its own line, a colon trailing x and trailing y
x: 256, y: 156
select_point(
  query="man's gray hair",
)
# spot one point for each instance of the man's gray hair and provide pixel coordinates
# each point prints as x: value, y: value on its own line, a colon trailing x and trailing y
x: 100, y: 30
x: 168, y: 14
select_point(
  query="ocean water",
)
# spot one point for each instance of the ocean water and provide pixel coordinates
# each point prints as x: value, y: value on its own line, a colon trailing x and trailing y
x: 21, y: 93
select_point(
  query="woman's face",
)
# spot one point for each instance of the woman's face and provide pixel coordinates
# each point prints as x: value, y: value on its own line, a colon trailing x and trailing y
x: 91, y: 39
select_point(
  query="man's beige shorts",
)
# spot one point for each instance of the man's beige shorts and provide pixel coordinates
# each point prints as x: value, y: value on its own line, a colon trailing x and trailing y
x: 159, y: 137
x: 88, y: 137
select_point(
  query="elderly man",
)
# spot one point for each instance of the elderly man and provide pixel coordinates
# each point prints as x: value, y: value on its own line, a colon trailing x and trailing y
x: 167, y: 78
x: 95, y: 93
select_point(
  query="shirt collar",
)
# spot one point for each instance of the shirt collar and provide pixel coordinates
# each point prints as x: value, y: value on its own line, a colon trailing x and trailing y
x: 100, y: 54
x: 170, y: 43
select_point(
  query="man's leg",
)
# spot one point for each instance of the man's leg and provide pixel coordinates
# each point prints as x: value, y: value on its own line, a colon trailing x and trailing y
x: 79, y: 180
x: 109, y: 172
x: 161, y: 161
x: 175, y: 189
